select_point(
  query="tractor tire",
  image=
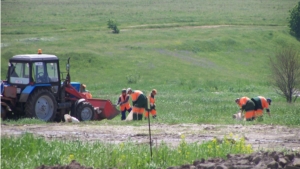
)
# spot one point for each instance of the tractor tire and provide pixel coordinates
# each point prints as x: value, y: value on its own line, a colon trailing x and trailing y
x: 42, y: 105
x: 84, y: 111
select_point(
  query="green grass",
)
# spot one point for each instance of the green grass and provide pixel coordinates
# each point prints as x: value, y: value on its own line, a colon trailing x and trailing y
x: 23, y: 121
x: 198, y: 71
x: 76, y: 15
x: 34, y: 151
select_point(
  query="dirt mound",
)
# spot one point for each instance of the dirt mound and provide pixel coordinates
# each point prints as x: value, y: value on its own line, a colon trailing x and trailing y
x: 258, y: 160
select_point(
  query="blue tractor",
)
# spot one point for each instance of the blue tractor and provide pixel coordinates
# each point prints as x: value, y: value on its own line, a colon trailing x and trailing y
x: 34, y: 88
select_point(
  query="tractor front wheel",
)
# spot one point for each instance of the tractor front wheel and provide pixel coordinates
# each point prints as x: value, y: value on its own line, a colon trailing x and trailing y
x: 42, y: 105
x: 85, y: 111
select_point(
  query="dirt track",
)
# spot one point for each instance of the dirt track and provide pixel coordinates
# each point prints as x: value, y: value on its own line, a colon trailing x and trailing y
x: 266, y: 137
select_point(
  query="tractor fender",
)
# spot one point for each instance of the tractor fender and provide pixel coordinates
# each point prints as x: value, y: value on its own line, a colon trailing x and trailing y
x: 78, y: 102
x: 28, y: 90
x: 75, y: 105
x: 25, y: 93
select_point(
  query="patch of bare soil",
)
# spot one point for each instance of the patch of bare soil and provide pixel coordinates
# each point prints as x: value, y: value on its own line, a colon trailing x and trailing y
x: 259, y: 160
x: 261, y: 137
x: 266, y: 137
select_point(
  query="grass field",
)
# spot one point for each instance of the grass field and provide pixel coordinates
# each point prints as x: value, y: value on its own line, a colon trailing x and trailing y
x: 199, y: 54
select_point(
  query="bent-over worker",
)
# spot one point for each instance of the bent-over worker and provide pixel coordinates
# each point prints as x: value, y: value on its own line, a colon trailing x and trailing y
x: 261, y: 103
x: 248, y: 106
x: 124, y: 104
x: 152, y: 104
x: 139, y: 102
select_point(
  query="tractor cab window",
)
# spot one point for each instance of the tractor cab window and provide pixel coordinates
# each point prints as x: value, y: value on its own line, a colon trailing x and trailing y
x: 45, y: 72
x: 18, y: 73
x: 39, y: 71
x: 52, y: 72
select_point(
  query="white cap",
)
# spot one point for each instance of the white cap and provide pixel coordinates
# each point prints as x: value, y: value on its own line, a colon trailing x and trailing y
x: 129, y: 89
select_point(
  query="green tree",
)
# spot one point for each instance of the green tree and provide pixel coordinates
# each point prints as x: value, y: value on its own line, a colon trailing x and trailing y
x: 294, y: 22
x: 111, y: 24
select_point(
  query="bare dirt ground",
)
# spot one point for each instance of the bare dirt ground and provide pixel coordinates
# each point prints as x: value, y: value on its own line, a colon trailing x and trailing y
x: 261, y: 137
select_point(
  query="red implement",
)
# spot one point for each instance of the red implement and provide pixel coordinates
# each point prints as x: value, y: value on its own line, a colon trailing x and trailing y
x: 104, y: 109
x: 107, y: 109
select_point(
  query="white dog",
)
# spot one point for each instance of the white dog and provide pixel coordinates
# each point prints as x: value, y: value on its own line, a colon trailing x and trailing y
x: 70, y: 119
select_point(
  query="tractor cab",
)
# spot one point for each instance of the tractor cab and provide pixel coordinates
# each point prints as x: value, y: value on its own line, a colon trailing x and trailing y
x: 32, y: 86
x: 34, y: 70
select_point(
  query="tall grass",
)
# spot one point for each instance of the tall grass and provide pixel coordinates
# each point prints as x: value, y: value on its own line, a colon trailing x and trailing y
x: 28, y: 151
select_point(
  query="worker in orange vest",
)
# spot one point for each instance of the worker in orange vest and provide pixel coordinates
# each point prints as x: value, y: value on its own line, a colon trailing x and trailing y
x: 152, y: 104
x: 85, y: 92
x: 124, y: 104
x: 139, y: 102
x: 261, y: 103
x: 248, y: 106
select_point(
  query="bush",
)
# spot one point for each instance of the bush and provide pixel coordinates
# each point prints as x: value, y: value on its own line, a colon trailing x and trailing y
x: 295, y: 21
x: 132, y: 79
x: 113, y: 25
x: 285, y: 68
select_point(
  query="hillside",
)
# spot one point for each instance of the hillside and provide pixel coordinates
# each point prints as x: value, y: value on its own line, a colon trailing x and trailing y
x: 198, y: 54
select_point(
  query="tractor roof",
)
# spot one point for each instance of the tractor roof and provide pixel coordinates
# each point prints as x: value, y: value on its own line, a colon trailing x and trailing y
x: 34, y: 57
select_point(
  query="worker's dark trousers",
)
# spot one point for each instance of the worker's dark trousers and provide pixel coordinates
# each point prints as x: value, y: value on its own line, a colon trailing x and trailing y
x: 123, y: 113
x: 136, y: 116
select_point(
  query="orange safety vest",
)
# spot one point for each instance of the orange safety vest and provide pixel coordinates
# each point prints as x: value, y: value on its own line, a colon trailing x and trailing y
x: 264, y: 102
x: 135, y: 95
x: 250, y: 113
x: 88, y: 95
x: 151, y: 99
x: 243, y: 101
x: 264, y: 105
x: 126, y: 104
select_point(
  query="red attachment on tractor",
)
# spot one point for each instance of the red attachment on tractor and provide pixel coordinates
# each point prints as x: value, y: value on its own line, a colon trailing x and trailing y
x: 108, y: 110
x: 104, y: 108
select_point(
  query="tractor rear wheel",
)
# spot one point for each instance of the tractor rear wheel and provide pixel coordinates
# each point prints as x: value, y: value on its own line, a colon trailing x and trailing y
x: 84, y: 111
x: 41, y: 104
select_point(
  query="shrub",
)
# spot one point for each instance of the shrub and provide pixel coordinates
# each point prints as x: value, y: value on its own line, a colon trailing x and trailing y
x: 132, y: 79
x: 113, y: 25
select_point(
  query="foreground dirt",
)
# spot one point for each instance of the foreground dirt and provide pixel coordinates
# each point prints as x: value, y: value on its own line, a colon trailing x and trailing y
x: 259, y: 160
x: 275, y: 139
x: 261, y: 137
